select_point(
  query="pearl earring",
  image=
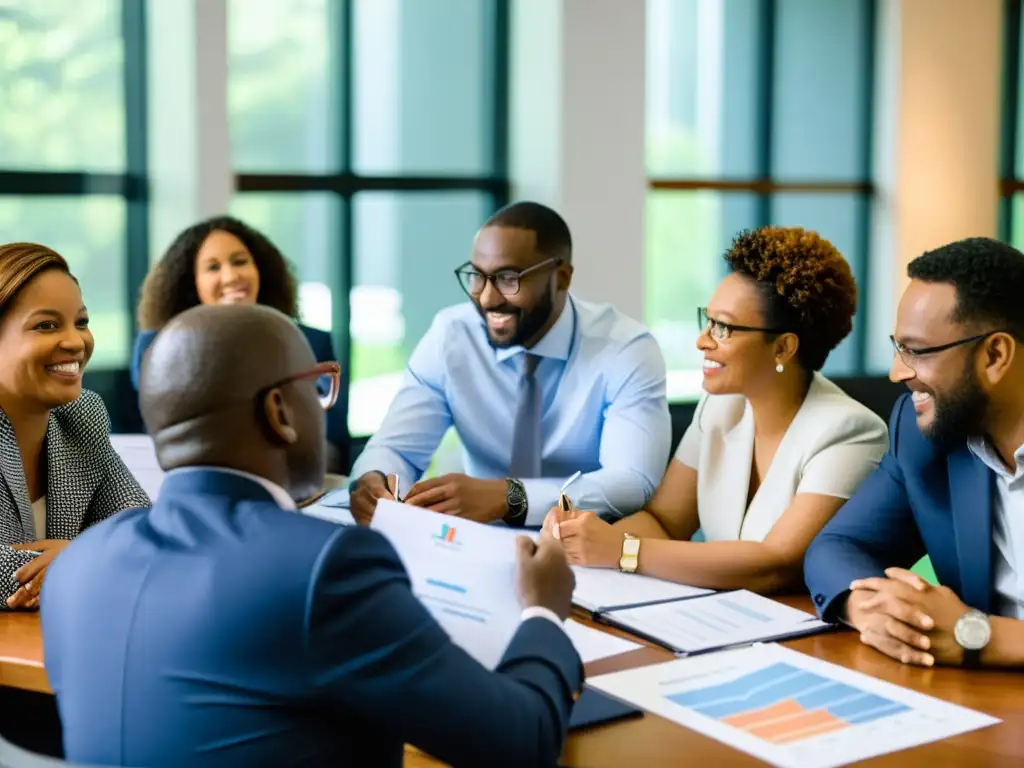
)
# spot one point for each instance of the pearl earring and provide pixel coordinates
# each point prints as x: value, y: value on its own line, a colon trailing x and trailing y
x: 779, y: 368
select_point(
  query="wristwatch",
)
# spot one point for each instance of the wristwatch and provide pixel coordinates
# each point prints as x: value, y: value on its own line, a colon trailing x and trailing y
x: 972, y: 633
x: 630, y: 558
x: 516, y: 502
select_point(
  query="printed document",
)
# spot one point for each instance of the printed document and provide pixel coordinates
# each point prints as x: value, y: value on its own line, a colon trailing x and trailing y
x: 139, y: 454
x: 333, y: 506
x: 789, y: 709
x: 463, y: 572
x: 593, y: 644
x: 716, y: 621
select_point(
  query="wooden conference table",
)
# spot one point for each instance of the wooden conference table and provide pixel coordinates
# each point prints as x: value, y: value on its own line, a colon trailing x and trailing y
x: 653, y: 741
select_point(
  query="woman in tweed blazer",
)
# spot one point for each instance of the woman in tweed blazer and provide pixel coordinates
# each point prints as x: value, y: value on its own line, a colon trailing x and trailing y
x: 58, y: 472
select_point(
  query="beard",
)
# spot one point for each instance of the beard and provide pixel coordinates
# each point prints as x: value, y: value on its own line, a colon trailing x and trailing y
x: 960, y: 413
x: 528, y: 322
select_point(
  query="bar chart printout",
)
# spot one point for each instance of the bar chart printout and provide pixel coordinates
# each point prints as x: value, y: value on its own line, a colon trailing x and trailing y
x: 783, y: 704
x: 789, y: 709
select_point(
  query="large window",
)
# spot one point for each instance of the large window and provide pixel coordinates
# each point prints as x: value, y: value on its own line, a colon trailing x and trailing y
x: 758, y: 112
x: 369, y: 141
x: 72, y: 149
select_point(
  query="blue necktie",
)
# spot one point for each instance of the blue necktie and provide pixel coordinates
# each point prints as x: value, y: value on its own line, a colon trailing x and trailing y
x: 526, y: 447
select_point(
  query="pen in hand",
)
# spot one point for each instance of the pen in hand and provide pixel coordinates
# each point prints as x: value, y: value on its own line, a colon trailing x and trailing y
x: 563, y: 502
x: 391, y: 481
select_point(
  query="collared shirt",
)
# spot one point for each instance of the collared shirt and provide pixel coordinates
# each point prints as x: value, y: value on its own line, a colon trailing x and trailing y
x: 604, y: 412
x: 1007, y: 528
x: 277, y: 493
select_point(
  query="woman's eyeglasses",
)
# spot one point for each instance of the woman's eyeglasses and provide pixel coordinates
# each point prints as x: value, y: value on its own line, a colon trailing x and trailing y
x: 720, y: 331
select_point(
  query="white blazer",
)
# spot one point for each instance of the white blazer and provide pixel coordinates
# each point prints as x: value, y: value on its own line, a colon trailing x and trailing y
x: 832, y: 444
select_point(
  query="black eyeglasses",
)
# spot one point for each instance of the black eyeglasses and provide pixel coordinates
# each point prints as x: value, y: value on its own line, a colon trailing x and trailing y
x: 908, y: 354
x: 505, y: 281
x: 720, y: 331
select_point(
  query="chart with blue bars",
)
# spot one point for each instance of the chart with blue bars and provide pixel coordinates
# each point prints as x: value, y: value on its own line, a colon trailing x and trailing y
x: 783, y: 704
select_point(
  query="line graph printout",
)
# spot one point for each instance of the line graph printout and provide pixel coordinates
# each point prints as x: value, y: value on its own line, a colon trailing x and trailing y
x: 788, y: 709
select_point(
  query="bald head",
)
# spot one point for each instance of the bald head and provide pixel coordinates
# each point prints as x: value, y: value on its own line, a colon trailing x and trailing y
x: 216, y: 389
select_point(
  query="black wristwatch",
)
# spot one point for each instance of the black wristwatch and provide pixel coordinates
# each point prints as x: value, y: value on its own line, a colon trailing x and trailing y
x: 516, y: 501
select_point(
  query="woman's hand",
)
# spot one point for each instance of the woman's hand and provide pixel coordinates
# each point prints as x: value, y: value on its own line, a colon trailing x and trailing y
x: 31, y: 575
x: 588, y: 540
x: 555, y: 517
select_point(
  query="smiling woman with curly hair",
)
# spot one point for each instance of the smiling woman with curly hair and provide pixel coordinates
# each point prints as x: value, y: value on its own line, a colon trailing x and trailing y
x: 225, y: 261
x: 774, y: 449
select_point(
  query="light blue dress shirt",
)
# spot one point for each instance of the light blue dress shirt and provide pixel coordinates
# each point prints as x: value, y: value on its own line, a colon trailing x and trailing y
x: 604, y: 411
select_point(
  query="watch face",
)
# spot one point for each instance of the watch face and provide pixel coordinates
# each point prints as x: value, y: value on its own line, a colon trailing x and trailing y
x: 631, y: 546
x: 972, y: 631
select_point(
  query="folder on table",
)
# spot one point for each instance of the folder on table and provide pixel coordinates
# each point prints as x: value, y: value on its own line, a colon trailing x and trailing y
x: 714, y: 622
x: 594, y: 708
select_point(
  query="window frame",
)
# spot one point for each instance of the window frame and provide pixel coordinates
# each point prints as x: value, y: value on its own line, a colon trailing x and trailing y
x: 132, y: 185
x: 765, y: 186
x: 345, y: 183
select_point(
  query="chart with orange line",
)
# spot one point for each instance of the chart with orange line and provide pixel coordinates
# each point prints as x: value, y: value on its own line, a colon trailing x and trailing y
x: 789, y: 709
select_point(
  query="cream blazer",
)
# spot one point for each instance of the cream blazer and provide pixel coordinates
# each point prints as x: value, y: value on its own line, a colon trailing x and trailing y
x: 832, y: 444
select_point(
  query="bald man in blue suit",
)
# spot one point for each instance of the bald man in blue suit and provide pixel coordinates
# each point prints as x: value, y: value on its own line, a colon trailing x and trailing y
x: 225, y: 628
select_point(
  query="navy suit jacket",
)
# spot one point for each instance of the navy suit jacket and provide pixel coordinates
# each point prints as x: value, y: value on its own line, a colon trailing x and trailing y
x: 222, y: 630
x: 320, y: 341
x: 922, y: 499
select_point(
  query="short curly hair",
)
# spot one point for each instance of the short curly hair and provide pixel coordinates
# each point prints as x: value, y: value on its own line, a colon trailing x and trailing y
x: 807, y: 286
x: 170, y: 287
x: 988, y: 276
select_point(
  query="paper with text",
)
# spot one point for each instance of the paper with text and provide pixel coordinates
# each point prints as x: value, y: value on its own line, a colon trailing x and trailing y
x: 789, y: 709
x: 716, y: 621
x: 463, y: 572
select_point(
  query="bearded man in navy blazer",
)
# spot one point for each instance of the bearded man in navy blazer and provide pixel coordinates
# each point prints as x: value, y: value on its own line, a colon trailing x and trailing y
x: 951, y: 485
x: 225, y: 628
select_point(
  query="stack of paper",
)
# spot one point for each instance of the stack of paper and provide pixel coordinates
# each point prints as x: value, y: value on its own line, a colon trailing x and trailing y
x: 715, y: 621
x: 139, y: 454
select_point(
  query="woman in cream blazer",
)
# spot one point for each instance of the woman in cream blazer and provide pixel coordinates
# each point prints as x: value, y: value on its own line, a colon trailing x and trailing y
x: 774, y: 449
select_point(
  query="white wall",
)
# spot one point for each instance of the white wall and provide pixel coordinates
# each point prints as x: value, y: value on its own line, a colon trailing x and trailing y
x: 577, y: 134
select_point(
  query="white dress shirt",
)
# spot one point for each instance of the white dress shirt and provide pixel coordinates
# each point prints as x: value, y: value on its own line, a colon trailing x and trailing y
x: 39, y: 517
x: 1007, y: 528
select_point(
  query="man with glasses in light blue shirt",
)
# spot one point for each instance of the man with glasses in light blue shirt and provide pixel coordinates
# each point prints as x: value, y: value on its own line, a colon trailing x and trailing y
x: 538, y: 384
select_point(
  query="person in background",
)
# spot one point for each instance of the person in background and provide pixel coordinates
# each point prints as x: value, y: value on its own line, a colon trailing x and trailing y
x: 58, y: 471
x: 223, y: 261
x: 234, y: 631
x: 537, y: 383
x: 951, y: 485
x: 774, y: 448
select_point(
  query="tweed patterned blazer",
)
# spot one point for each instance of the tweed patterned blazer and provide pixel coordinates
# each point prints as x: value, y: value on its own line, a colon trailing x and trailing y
x: 86, y: 481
